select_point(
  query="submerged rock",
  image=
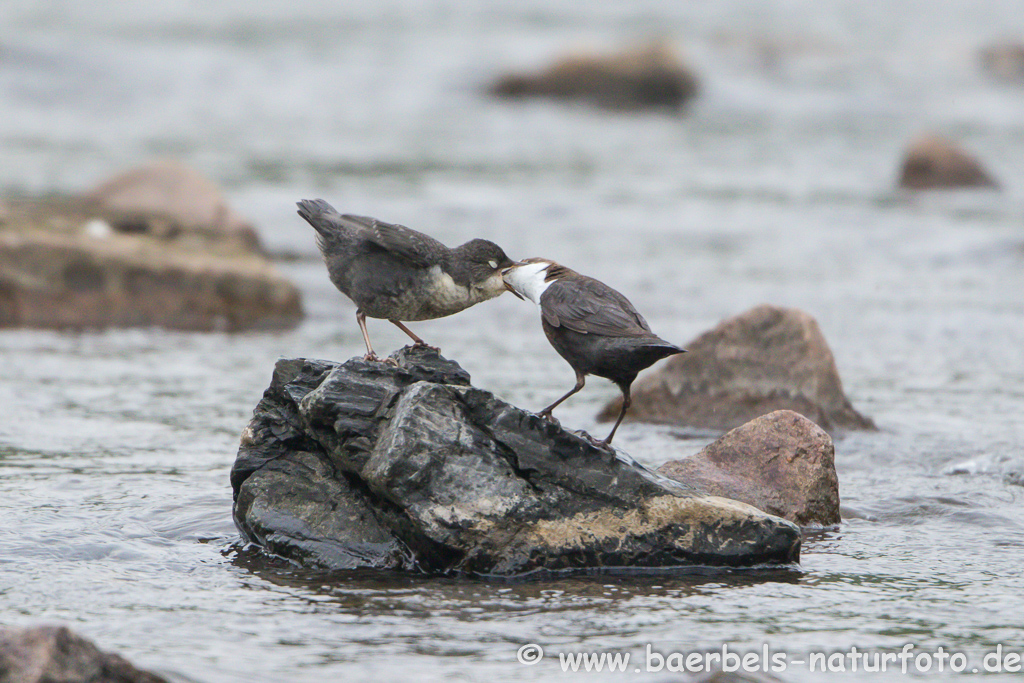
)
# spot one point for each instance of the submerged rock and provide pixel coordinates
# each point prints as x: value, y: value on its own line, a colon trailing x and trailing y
x: 765, y: 359
x: 102, y: 261
x: 781, y: 463
x: 409, y: 467
x: 52, y: 654
x: 640, y: 78
x: 933, y: 162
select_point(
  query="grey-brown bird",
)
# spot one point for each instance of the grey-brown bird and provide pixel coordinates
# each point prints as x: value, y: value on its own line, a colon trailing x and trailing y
x: 396, y: 273
x: 592, y: 326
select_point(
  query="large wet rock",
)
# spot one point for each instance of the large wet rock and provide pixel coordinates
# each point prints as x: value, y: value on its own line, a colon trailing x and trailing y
x: 55, y: 654
x: 640, y: 78
x: 932, y: 162
x: 104, y: 261
x: 781, y: 463
x: 410, y: 467
x: 765, y: 359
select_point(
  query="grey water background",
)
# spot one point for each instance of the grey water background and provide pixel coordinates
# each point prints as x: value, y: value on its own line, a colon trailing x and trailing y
x: 775, y: 186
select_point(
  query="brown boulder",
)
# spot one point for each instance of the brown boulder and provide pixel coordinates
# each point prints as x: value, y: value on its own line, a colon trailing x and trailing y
x: 48, y: 654
x: 166, y: 197
x: 63, y: 265
x: 933, y: 162
x: 1004, y: 61
x: 763, y: 360
x: 781, y: 463
x: 640, y: 78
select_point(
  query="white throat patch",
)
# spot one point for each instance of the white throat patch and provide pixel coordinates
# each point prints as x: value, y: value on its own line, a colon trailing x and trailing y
x: 528, y: 280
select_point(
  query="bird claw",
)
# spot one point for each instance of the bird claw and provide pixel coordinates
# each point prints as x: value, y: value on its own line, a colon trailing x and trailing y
x: 420, y: 344
x: 597, y: 443
x: 550, y: 418
x: 374, y: 358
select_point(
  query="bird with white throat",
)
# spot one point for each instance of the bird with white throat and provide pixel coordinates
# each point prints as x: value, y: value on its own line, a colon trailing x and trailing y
x: 592, y: 326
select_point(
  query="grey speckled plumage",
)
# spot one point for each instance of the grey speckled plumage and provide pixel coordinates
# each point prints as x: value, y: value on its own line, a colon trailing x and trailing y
x: 592, y: 326
x: 396, y: 273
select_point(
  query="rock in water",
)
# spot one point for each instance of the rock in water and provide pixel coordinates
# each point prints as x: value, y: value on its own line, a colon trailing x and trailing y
x: 365, y: 464
x: 932, y: 162
x: 1004, y: 61
x: 645, y: 77
x: 170, y: 192
x: 765, y: 359
x: 71, y: 263
x: 48, y: 654
x: 781, y: 463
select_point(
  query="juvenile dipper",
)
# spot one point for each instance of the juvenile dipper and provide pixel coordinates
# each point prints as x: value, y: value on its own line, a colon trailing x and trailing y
x: 393, y: 272
x: 591, y: 325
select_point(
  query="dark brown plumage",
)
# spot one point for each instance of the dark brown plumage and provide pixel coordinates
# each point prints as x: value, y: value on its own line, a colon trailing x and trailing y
x: 592, y: 326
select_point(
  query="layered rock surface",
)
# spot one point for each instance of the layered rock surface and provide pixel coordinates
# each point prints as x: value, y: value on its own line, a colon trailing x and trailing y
x: 153, y: 247
x: 410, y: 467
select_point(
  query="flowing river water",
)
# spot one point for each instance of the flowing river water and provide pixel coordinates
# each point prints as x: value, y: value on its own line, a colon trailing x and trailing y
x: 778, y: 185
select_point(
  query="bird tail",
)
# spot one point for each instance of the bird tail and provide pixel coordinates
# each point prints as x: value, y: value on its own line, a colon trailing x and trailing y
x: 324, y: 219
x: 656, y: 349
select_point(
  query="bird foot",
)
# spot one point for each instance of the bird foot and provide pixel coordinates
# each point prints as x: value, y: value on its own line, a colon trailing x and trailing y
x: 549, y: 417
x: 374, y: 358
x: 598, y: 443
x: 420, y: 344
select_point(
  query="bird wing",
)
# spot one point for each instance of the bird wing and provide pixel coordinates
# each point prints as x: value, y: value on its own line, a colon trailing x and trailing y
x: 397, y: 240
x: 405, y: 243
x: 588, y: 306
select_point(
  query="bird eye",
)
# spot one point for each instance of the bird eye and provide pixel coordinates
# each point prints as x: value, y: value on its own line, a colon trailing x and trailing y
x: 492, y: 263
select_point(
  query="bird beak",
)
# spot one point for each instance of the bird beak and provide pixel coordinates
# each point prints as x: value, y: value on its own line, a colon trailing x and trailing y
x: 513, y: 289
x: 504, y: 274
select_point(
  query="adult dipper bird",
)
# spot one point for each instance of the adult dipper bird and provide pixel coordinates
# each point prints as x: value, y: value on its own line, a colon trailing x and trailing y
x: 393, y: 272
x: 591, y: 325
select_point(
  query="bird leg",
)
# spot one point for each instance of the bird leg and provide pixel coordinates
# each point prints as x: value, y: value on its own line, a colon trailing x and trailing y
x: 581, y: 379
x: 607, y: 443
x: 370, y: 355
x: 416, y: 341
